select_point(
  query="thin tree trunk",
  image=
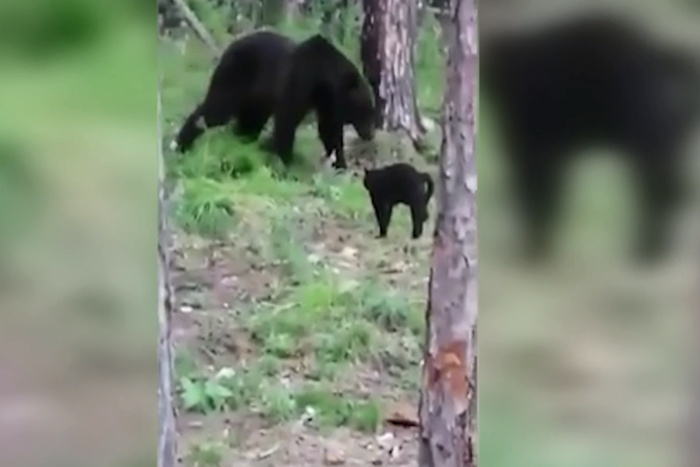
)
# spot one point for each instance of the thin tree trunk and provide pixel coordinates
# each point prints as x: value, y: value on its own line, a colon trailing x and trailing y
x: 447, y: 406
x: 167, y: 442
x: 389, y: 29
x: 197, y: 26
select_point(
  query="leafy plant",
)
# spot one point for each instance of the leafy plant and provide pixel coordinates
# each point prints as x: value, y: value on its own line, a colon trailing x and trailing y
x: 207, y: 454
x: 204, y: 395
x: 204, y: 208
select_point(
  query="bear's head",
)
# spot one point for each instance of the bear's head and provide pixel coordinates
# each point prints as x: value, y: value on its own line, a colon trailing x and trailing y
x: 359, y: 106
x: 193, y: 127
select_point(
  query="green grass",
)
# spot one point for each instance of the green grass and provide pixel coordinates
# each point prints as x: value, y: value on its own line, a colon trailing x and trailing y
x: 332, y: 315
x: 335, y: 321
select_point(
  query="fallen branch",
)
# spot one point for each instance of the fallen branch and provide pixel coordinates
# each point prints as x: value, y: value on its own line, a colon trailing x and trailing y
x: 197, y: 26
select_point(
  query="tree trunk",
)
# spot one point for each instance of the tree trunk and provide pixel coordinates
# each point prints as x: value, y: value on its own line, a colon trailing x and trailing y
x: 167, y: 443
x: 447, y: 406
x: 389, y: 29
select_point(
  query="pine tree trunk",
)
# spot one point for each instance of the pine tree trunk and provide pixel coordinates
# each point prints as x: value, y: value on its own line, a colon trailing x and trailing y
x: 447, y: 406
x: 167, y: 442
x: 389, y: 29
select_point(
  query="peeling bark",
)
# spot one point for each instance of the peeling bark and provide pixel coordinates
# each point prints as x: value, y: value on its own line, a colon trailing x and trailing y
x: 447, y: 406
x: 167, y: 442
x: 389, y: 29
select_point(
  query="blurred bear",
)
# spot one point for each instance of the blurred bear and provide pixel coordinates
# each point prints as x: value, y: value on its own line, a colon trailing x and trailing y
x: 591, y: 80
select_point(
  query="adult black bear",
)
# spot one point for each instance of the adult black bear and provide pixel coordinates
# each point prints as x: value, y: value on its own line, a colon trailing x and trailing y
x: 322, y: 79
x: 399, y: 184
x: 266, y: 73
x: 593, y: 80
x: 244, y: 86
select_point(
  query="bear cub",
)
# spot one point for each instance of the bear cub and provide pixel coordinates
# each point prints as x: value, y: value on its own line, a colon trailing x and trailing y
x: 399, y: 183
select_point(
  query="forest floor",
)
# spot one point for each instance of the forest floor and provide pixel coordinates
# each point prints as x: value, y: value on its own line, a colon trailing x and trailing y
x: 299, y: 334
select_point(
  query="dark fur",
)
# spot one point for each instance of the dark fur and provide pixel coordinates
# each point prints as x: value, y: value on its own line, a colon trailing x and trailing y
x: 265, y: 73
x: 595, y: 80
x: 322, y: 79
x: 399, y: 184
x: 244, y: 86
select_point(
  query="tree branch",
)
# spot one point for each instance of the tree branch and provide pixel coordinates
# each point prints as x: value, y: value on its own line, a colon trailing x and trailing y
x: 197, y: 26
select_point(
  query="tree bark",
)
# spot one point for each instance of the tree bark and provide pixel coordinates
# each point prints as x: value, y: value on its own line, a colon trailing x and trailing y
x: 387, y: 51
x: 447, y: 406
x: 167, y: 435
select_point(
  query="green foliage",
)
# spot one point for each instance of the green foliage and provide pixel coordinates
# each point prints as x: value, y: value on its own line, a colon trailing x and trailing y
x: 220, y: 156
x: 20, y: 190
x: 388, y: 309
x: 203, y: 394
x: 184, y: 364
x: 250, y: 388
x: 204, y: 209
x: 430, y: 67
x: 227, y: 188
x: 41, y: 28
x: 206, y: 454
x: 331, y: 409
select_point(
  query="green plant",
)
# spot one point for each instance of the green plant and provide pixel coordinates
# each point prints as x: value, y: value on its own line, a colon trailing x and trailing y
x: 389, y: 309
x: 276, y: 402
x: 206, y: 454
x: 204, y: 394
x: 332, y: 410
x: 204, y: 208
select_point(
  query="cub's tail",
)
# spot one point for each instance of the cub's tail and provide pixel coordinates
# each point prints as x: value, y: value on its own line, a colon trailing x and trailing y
x: 429, y: 184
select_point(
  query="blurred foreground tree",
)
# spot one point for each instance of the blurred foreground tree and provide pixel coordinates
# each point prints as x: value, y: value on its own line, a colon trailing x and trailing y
x: 167, y: 444
x: 389, y: 29
x: 448, y: 397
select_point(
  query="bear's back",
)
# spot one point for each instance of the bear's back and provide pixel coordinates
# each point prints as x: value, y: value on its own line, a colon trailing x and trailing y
x: 259, y: 54
x: 318, y: 53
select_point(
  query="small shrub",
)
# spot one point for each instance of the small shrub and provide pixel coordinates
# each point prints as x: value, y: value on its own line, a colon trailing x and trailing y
x: 204, y: 208
x: 207, y: 454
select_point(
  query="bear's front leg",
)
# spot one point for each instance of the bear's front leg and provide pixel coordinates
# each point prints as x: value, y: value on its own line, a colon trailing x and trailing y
x: 330, y: 131
x: 339, y: 162
x: 338, y: 146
